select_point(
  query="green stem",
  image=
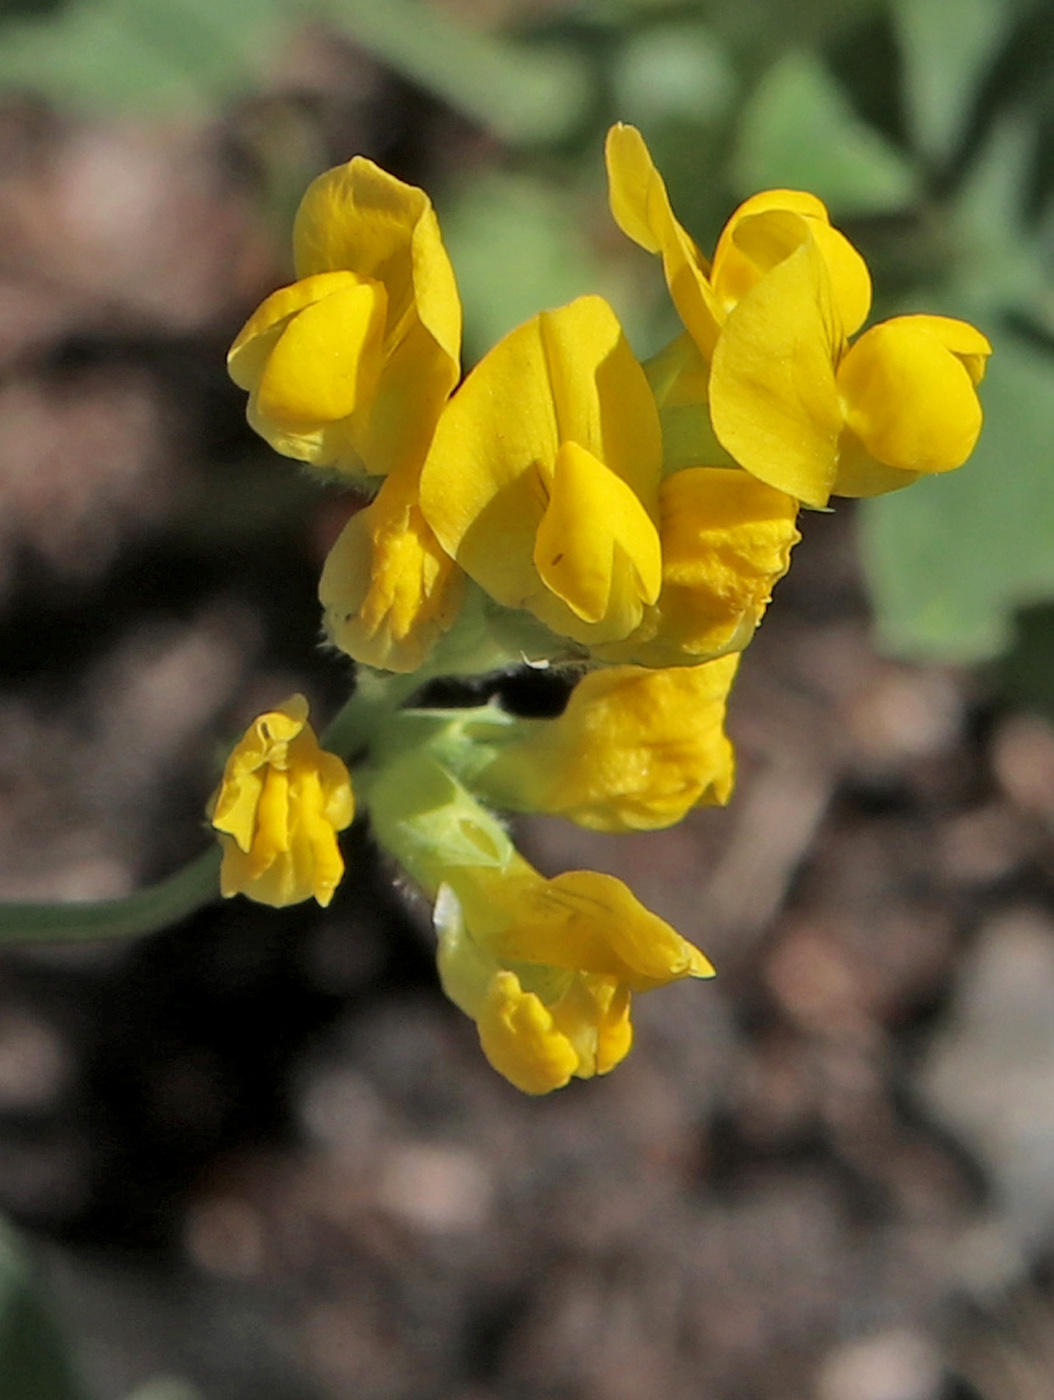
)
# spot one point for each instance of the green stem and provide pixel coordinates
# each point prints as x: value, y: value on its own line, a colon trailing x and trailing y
x: 375, y: 697
x: 146, y: 911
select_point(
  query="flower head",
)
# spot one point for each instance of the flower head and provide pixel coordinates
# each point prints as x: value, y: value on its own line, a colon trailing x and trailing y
x: 278, y: 809
x: 350, y: 366
x: 789, y: 398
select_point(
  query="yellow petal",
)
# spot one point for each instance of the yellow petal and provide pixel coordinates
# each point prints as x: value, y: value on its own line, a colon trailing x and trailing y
x: 358, y: 216
x: 282, y: 800
x: 520, y: 1038
x: 594, y: 524
x: 589, y: 922
x: 327, y: 361
x: 726, y: 541
x: 741, y: 257
x: 633, y: 750
x: 594, y: 1015
x: 773, y: 399
x: 909, y: 398
x: 641, y: 207
x: 388, y: 588
x: 256, y: 339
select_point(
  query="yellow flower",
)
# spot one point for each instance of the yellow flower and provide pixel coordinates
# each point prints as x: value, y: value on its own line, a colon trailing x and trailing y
x: 789, y: 398
x: 634, y: 750
x: 543, y: 477
x: 388, y: 588
x: 278, y: 809
x: 547, y: 968
x: 350, y: 366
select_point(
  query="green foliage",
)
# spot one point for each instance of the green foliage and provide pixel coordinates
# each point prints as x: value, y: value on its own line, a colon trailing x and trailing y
x: 33, y: 1361
x: 799, y: 131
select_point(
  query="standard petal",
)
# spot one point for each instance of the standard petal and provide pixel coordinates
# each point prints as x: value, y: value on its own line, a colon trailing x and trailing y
x: 738, y: 267
x: 358, y: 216
x: 910, y: 399
x: 641, y: 207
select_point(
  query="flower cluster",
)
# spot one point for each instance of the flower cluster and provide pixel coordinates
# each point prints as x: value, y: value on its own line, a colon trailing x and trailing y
x: 569, y: 506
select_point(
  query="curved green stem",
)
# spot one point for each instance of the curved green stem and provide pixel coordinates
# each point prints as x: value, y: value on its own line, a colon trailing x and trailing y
x: 146, y: 911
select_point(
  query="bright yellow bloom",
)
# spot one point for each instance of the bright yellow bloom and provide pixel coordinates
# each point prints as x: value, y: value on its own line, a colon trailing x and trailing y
x: 543, y: 477
x: 278, y: 809
x: 543, y: 481
x: 789, y: 399
x: 388, y: 588
x: 634, y: 750
x: 546, y: 968
x: 350, y: 366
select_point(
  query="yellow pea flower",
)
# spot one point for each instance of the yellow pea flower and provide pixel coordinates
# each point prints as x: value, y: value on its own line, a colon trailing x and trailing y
x: 542, y: 479
x: 635, y: 749
x: 278, y: 809
x: 388, y: 588
x: 789, y: 399
x: 547, y: 968
x: 350, y: 366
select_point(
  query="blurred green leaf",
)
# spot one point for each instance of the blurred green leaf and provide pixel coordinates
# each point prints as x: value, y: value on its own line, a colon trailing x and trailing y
x: 519, y: 247
x: 165, y: 1388
x: 798, y: 130
x: 34, y: 1363
x: 150, y: 55
x: 676, y: 70
x: 139, y: 55
x: 523, y: 92
x: 945, y: 48
x: 950, y: 559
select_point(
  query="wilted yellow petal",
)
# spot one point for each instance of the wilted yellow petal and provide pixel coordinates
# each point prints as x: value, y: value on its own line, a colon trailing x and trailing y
x: 278, y: 809
x: 633, y: 750
x: 588, y: 922
x: 910, y: 399
x: 388, y: 588
x: 520, y: 1038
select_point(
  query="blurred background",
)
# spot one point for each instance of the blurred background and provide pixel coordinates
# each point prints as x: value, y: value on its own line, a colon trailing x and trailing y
x: 259, y: 1157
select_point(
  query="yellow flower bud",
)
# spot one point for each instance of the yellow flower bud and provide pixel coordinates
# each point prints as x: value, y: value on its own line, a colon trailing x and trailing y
x: 278, y: 809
